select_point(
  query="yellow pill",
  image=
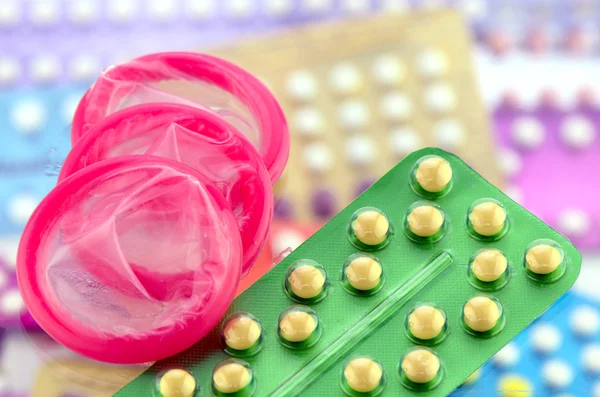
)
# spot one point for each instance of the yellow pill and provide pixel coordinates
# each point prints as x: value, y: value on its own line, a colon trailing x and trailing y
x: 425, y: 221
x: 371, y: 227
x: 364, y: 273
x: 231, y: 378
x: 306, y: 281
x: 488, y: 218
x: 489, y: 265
x: 426, y: 322
x: 297, y: 326
x: 177, y: 383
x: 363, y: 374
x: 543, y: 259
x: 481, y: 314
x: 434, y: 174
x: 421, y: 366
x: 241, y: 333
x: 514, y: 386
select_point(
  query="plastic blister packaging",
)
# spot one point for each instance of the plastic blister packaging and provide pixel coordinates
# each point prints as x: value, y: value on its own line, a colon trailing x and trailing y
x: 119, y: 261
x: 409, y: 306
x: 195, y: 137
x: 194, y: 79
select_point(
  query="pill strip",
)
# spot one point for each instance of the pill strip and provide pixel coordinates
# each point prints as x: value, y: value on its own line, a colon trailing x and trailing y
x: 375, y: 318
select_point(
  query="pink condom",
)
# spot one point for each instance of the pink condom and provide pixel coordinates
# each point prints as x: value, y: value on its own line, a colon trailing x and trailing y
x: 198, y: 138
x: 198, y: 80
x: 130, y: 260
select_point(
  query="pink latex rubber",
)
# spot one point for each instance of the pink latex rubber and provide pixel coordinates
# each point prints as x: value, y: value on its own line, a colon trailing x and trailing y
x: 198, y: 138
x: 93, y: 254
x: 198, y: 80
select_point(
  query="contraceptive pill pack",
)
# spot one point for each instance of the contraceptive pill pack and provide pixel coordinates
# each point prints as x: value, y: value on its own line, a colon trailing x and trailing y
x: 430, y: 265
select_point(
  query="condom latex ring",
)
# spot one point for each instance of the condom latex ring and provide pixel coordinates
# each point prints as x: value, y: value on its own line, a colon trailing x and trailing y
x: 93, y: 254
x: 199, y: 80
x: 198, y: 138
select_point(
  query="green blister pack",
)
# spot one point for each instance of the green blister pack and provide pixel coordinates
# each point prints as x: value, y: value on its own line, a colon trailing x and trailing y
x: 407, y: 291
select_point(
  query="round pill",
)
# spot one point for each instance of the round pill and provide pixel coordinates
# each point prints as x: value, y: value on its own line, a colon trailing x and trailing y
x: 121, y: 11
x: 557, y: 374
x: 426, y: 322
x: 508, y: 356
x: 238, y: 9
x: 161, y: 10
x: 82, y: 12
x: 433, y: 174
x: 363, y: 374
x: 84, y: 67
x: 577, y: 132
x: 315, y: 6
x: 9, y: 70
x: 308, y: 121
x: 474, y: 9
x: 585, y: 321
x: 324, y: 203
x: 360, y: 150
x: 489, y: 265
x: 510, y: 162
x: 297, y: 326
x: 11, y: 302
x: 514, y: 386
x: 28, y: 116
x: 388, y: 70
x: 432, y: 63
x: 421, y: 366
x: 396, y: 107
x: 545, y: 338
x: 355, y: 6
x: 241, y: 332
x: 345, y: 78
x: 10, y: 13
x: 21, y: 207
x: 353, y: 114
x: 177, y: 383
x: 481, y: 314
x: 487, y: 218
x: 528, y: 132
x: 364, y: 273
x: 404, y: 140
x: 449, y: 133
x: 44, y: 69
x: 278, y: 8
x: 371, y: 227
x: 440, y: 98
x: 318, y: 158
x: 306, y: 281
x: 574, y: 223
x: 302, y: 85
x: 590, y: 356
x: 543, y: 259
x: 425, y: 220
x: 231, y: 378
x: 200, y: 10
x: 44, y: 13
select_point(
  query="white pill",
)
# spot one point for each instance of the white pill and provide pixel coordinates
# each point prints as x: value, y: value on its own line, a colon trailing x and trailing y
x: 515, y: 193
x: 354, y: 114
x: 396, y: 107
x: 122, y: 11
x: 82, y: 12
x: 557, y: 374
x: 318, y: 158
x: 162, y: 10
x: 360, y: 150
x: 84, y: 68
x: 44, y: 13
x: 404, y: 140
x: 432, y: 63
x: 28, y: 116
x: 508, y: 356
x: 317, y: 6
x: 9, y: 70
x: 345, y: 78
x: 302, y: 85
x: 44, y: 68
x: 590, y: 356
x: 238, y: 9
x: 474, y: 9
x: 585, y: 321
x: 20, y: 208
x: 10, y: 13
x: 528, y: 132
x: 12, y: 303
x: 449, y: 133
x: 388, y: 70
x: 287, y: 239
x: 200, y: 9
x: 574, y: 223
x: 395, y: 5
x: 308, y: 121
x: 510, y: 162
x: 355, y: 6
x: 278, y: 8
x: 577, y: 132
x: 8, y: 251
x: 440, y: 98
x: 3, y: 279
x: 545, y: 338
x: 68, y: 108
